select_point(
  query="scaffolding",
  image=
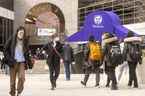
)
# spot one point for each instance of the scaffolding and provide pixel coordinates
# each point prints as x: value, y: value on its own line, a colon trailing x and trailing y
x: 130, y: 11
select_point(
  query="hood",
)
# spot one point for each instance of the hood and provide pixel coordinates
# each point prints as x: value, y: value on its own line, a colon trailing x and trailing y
x: 110, y: 40
x: 131, y: 39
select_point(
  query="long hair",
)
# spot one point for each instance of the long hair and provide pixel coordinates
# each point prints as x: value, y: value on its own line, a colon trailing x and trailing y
x: 11, y: 43
x: 21, y: 28
x: 15, y: 36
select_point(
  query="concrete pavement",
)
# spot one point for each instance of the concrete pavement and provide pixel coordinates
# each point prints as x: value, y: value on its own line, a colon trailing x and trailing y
x: 39, y: 85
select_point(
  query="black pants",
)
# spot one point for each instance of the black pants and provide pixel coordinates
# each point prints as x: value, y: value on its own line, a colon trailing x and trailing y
x: 93, y: 69
x: 132, y: 74
x: 107, y: 73
x: 108, y: 80
x: 112, y: 76
x: 54, y: 69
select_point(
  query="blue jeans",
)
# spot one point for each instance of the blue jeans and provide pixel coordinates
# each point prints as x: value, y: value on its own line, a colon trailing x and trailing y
x: 67, y: 66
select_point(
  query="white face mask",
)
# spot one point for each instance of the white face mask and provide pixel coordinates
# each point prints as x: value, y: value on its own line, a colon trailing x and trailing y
x: 56, y: 39
x: 66, y: 43
x: 20, y: 34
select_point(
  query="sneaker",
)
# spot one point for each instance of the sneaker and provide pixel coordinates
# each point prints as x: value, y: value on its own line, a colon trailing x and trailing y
x: 83, y: 83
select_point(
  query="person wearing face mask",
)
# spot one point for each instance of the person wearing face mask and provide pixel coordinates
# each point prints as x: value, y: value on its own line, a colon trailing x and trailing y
x: 54, y: 55
x: 16, y: 52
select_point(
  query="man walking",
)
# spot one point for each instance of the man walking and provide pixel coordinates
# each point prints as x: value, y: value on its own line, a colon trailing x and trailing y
x: 54, y: 51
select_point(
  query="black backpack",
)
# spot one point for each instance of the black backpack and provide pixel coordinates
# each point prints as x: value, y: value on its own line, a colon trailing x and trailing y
x: 115, y: 55
x: 134, y: 51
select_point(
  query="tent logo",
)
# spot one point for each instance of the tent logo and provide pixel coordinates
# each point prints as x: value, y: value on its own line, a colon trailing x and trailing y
x: 98, y: 19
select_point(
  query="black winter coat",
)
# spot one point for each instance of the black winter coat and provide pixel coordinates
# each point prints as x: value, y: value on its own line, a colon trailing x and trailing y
x: 127, y: 46
x: 106, y: 52
x: 9, y: 52
x: 52, y: 55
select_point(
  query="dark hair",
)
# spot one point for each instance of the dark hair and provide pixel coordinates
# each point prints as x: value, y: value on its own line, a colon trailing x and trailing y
x: 105, y: 32
x: 108, y: 35
x: 20, y: 28
x: 91, y: 38
x: 130, y: 34
x: 111, y: 35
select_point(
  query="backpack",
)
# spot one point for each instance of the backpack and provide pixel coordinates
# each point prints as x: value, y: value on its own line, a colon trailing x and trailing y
x: 95, y: 51
x: 134, y: 52
x: 115, y: 55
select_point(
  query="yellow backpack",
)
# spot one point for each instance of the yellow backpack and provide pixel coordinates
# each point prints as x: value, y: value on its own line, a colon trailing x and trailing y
x: 95, y: 51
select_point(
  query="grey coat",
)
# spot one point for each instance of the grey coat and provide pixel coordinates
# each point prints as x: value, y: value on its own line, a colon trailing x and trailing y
x: 68, y: 53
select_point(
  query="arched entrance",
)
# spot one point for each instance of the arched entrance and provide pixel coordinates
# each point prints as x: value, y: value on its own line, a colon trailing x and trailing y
x: 42, y: 21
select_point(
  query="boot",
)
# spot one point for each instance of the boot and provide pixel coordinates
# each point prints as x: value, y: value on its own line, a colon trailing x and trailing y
x: 83, y: 83
x: 135, y: 85
x: 107, y: 85
x: 108, y: 82
x: 18, y: 94
x: 53, y: 85
x: 114, y: 87
x: 130, y: 83
x: 97, y: 85
x: 13, y: 95
x: 52, y: 88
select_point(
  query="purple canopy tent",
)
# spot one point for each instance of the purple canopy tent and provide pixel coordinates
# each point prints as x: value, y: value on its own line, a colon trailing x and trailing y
x: 98, y: 22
